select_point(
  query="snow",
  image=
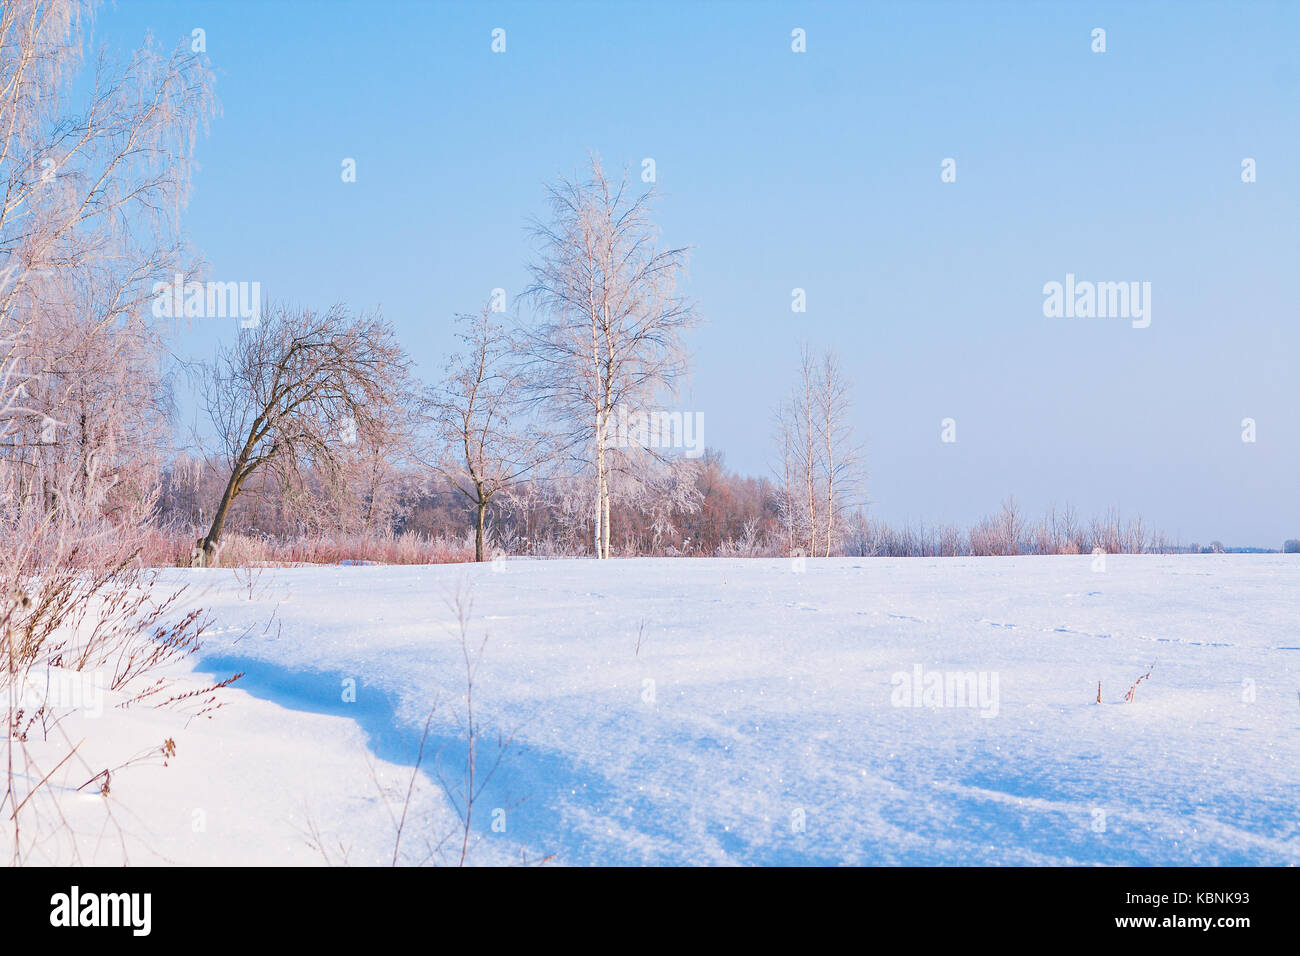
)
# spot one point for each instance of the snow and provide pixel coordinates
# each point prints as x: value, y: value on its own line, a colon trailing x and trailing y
x: 755, y: 724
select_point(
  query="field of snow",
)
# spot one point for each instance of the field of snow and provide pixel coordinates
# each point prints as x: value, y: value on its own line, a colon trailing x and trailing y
x: 855, y: 711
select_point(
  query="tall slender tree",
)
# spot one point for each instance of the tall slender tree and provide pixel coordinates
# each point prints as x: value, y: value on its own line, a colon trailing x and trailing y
x: 609, y: 320
x: 821, y: 464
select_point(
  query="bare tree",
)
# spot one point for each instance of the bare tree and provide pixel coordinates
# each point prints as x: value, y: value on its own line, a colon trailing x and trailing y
x: 785, y: 423
x: 808, y: 448
x: 821, y: 463
x: 611, y: 321
x: 93, y: 174
x: 94, y: 170
x: 842, y: 457
x: 1002, y: 534
x: 479, y: 450
x: 296, y: 391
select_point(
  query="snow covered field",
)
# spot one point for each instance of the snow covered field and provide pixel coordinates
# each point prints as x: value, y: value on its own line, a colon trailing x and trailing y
x: 729, y: 712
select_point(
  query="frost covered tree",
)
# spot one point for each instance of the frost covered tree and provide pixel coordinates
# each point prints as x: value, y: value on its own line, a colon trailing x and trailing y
x: 94, y: 171
x: 841, y: 456
x: 294, y: 394
x: 479, y: 449
x: 820, y: 469
x: 609, y: 323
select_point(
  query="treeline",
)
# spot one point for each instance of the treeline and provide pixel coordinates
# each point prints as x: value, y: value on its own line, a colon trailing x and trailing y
x: 719, y: 513
x: 705, y: 510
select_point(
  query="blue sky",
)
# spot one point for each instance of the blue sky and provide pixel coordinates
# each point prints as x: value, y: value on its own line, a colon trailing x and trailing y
x: 821, y: 170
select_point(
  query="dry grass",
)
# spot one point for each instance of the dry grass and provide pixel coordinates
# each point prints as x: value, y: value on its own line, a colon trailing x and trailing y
x: 174, y: 548
x: 1132, y: 691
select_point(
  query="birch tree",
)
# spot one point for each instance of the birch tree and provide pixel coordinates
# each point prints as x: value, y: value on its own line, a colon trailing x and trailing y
x: 94, y: 171
x: 821, y: 463
x: 841, y: 456
x: 609, y: 320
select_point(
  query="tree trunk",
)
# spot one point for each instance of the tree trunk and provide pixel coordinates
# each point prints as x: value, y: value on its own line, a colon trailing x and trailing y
x: 600, y: 484
x: 478, y: 530
x: 605, y: 518
x: 830, y: 482
x: 209, y: 546
x: 812, y: 503
x: 789, y: 494
x: 810, y: 456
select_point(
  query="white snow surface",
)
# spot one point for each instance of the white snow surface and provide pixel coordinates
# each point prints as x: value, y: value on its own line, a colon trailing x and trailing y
x: 757, y: 723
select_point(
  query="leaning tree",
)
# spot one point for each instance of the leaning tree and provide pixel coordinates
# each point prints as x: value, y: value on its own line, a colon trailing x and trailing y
x: 299, y: 391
